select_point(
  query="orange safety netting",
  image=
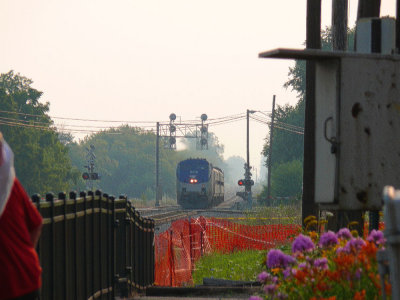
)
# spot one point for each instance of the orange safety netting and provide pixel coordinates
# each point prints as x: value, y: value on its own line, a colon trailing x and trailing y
x: 225, y: 236
x: 185, y: 242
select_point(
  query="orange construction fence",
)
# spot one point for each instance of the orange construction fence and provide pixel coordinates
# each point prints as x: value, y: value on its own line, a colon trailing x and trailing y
x: 178, y: 248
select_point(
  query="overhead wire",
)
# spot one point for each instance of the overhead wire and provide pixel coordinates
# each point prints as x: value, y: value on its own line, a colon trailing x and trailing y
x: 278, y: 126
x: 75, y: 128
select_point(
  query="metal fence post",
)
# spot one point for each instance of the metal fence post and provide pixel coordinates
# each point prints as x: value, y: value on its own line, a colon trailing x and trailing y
x: 72, y: 196
x: 391, y: 199
x: 99, y: 245
x: 85, y: 254
x: 36, y: 199
x: 50, y: 198
x: 63, y: 197
x: 114, y: 224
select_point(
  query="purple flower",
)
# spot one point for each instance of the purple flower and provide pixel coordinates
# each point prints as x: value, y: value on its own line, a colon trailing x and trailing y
x: 321, y: 263
x: 354, y: 244
x: 302, y: 265
x: 358, y: 272
x: 255, y: 298
x: 263, y: 276
x: 270, y: 289
x: 281, y: 296
x: 328, y: 239
x: 302, y: 243
x: 340, y: 250
x: 344, y: 233
x: 376, y: 236
x: 276, y: 259
x: 287, y: 272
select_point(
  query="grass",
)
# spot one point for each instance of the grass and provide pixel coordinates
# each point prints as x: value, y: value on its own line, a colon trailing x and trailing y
x: 245, y: 265
x: 282, y: 214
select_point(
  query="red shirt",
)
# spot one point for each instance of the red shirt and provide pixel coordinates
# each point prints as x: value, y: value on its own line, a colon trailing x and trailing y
x: 20, y: 271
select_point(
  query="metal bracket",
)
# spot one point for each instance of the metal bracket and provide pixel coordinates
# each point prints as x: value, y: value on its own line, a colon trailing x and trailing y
x: 333, y: 141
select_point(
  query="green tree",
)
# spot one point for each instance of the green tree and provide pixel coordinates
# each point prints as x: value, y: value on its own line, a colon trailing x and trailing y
x: 41, y: 161
x: 125, y: 159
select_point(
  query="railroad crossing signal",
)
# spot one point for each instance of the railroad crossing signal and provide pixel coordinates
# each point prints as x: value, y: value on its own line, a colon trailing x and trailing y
x: 246, y: 182
x: 91, y: 176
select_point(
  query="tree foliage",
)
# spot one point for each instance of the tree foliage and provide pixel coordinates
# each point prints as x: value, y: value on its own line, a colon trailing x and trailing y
x: 41, y: 161
x: 125, y: 159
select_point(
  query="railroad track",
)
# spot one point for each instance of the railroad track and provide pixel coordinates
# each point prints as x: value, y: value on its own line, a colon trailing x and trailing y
x: 166, y: 214
x: 170, y: 216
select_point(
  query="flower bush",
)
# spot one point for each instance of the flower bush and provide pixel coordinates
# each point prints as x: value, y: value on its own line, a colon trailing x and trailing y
x: 330, y: 266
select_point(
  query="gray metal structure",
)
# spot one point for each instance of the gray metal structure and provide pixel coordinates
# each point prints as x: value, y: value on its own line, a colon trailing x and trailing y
x: 357, y: 126
x: 169, y: 132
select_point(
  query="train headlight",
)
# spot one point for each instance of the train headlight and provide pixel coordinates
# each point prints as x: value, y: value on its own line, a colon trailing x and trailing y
x: 192, y: 180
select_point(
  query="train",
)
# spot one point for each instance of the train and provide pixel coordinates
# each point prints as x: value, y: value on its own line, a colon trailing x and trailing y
x: 199, y: 184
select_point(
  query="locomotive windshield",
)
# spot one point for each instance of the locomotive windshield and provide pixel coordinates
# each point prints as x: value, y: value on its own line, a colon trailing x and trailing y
x: 193, y: 168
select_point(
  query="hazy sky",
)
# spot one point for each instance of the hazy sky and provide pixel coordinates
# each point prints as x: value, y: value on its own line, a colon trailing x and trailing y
x: 140, y: 60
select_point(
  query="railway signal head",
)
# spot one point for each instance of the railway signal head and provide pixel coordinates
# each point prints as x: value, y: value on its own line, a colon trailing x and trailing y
x: 94, y: 176
x: 241, y: 182
x: 249, y: 182
x: 172, y: 117
x: 85, y: 176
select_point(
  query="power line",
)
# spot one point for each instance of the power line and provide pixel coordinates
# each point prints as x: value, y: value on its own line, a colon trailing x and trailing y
x: 277, y: 125
x: 75, y: 128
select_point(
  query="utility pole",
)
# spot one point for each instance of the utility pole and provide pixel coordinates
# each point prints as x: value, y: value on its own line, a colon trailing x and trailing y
x: 339, y: 24
x: 271, y: 136
x: 313, y: 41
x: 247, y: 174
x: 158, y: 165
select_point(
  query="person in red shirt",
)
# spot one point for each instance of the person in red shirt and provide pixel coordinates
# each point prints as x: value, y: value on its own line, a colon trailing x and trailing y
x: 20, y: 228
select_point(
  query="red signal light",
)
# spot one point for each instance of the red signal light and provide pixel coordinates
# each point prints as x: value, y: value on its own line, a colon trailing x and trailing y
x: 85, y: 176
x: 241, y: 182
x: 192, y: 180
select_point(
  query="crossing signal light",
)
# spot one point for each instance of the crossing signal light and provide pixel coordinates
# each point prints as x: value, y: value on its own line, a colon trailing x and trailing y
x: 245, y: 182
x: 249, y: 182
x: 91, y: 176
x: 94, y: 176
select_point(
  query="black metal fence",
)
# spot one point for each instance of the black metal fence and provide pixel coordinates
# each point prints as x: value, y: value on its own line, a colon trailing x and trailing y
x: 93, y: 246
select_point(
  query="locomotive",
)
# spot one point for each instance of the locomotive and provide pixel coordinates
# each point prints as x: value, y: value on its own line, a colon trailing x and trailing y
x: 199, y: 184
